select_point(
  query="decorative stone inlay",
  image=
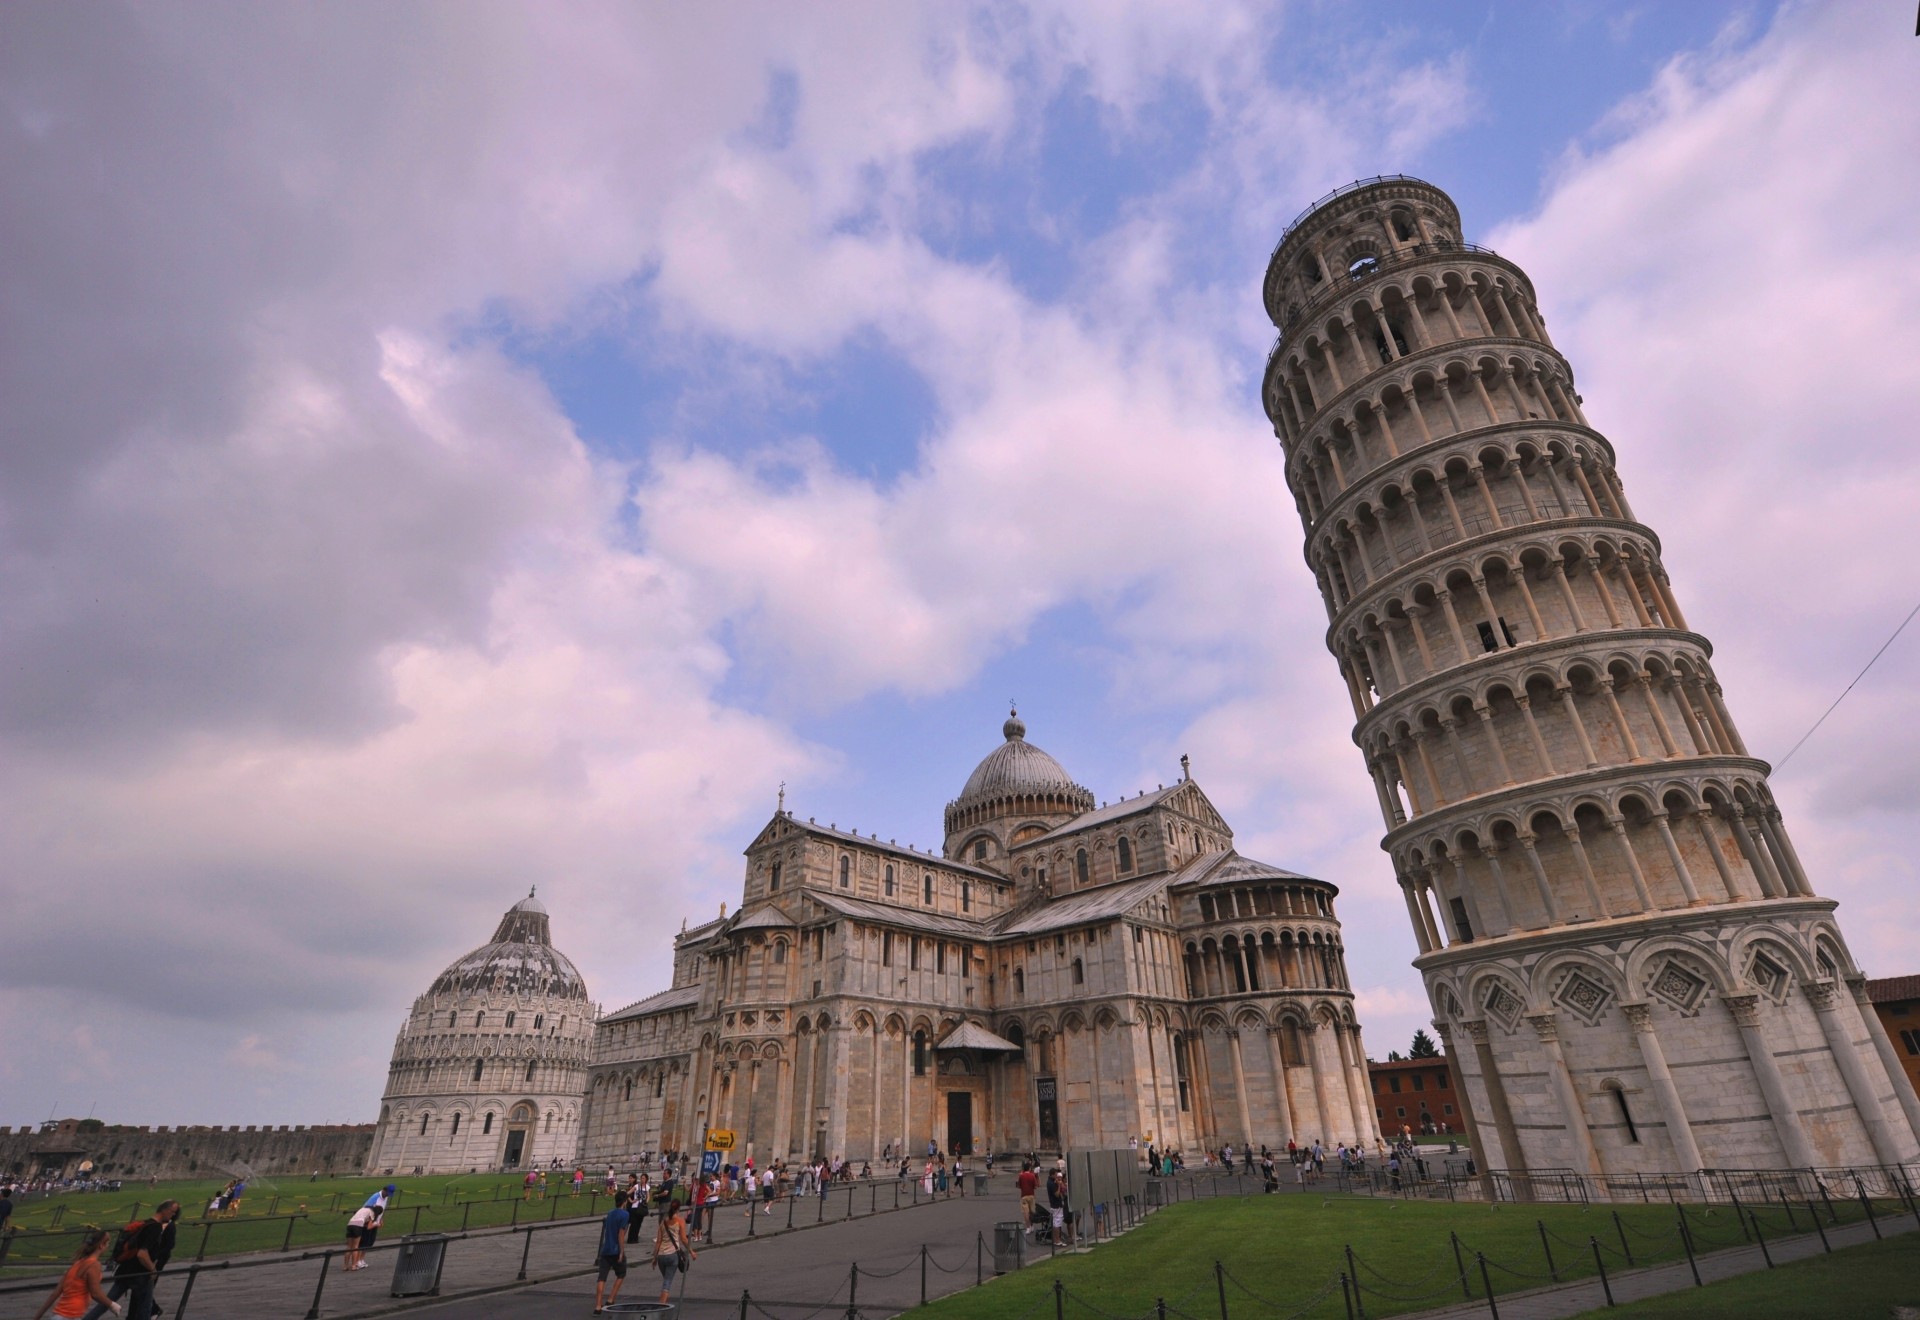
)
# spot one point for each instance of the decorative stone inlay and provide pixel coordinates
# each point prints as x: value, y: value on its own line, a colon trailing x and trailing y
x: 1679, y: 985
x: 1586, y: 997
x: 1503, y: 1005
x: 1768, y: 977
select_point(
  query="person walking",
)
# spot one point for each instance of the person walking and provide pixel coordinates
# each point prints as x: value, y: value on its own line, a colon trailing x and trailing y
x: 135, y: 1267
x: 80, y: 1283
x: 672, y: 1251
x: 613, y: 1254
x: 1029, y: 1184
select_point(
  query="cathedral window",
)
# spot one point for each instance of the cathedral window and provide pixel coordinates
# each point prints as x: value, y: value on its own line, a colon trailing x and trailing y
x: 538, y: 1019
x: 1626, y: 1114
x: 423, y: 1124
x: 1020, y: 988
x: 913, y: 953
x: 486, y: 1124
x: 919, y: 1054
x: 1079, y: 972
x: 773, y: 876
x: 629, y: 1091
x: 886, y: 948
x: 1080, y: 866
x: 926, y: 890
x: 529, y: 1070
x: 509, y: 1018
x: 846, y: 870
x: 549, y: 1120
x: 476, y: 1069
x: 480, y: 1019
x: 456, y: 1129
x: 659, y: 1085
x: 889, y: 882
x: 780, y: 951
x: 966, y: 895
x: 940, y: 958
x: 979, y: 850
x: 1126, y: 856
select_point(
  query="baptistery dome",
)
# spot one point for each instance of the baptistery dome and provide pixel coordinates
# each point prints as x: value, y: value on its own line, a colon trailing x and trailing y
x: 490, y: 1067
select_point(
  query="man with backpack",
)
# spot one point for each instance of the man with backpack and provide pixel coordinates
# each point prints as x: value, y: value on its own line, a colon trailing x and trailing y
x: 136, y: 1263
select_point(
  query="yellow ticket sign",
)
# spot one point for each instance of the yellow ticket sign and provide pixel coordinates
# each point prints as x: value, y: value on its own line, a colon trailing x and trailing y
x: 719, y: 1139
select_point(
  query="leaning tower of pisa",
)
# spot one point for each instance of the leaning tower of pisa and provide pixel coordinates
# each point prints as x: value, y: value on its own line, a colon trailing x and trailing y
x: 1622, y: 950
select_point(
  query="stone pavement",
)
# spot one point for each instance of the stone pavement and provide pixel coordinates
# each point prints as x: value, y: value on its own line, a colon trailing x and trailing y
x: 1571, y: 1299
x: 282, y: 1286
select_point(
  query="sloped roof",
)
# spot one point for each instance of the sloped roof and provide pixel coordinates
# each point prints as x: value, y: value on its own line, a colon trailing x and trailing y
x: 1084, y: 905
x: 937, y: 923
x: 900, y: 850
x: 1893, y: 989
x: 1116, y: 810
x: 973, y: 1036
x: 681, y: 996
x: 701, y: 931
x: 1230, y: 868
x: 765, y: 917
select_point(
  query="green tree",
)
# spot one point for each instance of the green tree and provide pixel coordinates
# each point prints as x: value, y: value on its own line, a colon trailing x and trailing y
x: 1423, y: 1047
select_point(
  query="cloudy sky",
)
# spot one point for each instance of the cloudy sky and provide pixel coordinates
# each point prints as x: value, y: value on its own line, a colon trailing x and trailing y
x: 445, y: 449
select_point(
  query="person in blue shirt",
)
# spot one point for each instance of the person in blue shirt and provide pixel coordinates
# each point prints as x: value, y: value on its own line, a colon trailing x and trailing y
x: 381, y: 1199
x: 613, y: 1254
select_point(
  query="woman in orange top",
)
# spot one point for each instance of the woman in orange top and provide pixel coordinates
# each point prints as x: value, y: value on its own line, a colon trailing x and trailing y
x: 80, y: 1285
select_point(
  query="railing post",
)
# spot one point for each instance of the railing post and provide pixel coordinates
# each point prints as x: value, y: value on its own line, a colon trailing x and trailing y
x: 1059, y: 1300
x: 1815, y: 1216
x: 1686, y: 1241
x: 416, y: 1217
x: 206, y: 1232
x: 1547, y: 1247
x: 1486, y: 1282
x: 1866, y: 1204
x: 1787, y: 1205
x: 525, y: 1251
x: 853, y: 1291
x: 791, y: 1198
x: 326, y: 1267
x: 465, y: 1210
x: 1220, y: 1284
x: 1601, y: 1265
x: 979, y: 1257
x: 745, y: 1299
x: 1825, y: 1199
x: 923, y: 1274
x: 1359, y: 1302
x: 1626, y: 1248
x: 1460, y: 1265
x: 1346, y: 1294
x: 1160, y: 1307
x: 186, y: 1293
x: 286, y: 1243
x: 554, y: 1213
x: 1758, y: 1237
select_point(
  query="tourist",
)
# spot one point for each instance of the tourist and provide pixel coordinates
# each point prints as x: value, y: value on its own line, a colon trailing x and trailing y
x: 769, y: 1189
x: 135, y: 1268
x: 382, y: 1198
x: 672, y: 1249
x: 752, y: 1188
x: 6, y: 1210
x: 527, y: 1183
x: 233, y: 1200
x: 356, y: 1226
x: 371, y: 1231
x: 1028, y: 1184
x: 613, y: 1254
x: 1058, y: 1208
x: 81, y: 1282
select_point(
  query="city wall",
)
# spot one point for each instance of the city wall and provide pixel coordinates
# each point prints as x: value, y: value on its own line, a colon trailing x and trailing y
x: 118, y: 1151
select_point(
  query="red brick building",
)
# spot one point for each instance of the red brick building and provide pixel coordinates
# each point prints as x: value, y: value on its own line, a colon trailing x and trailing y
x: 1420, y: 1094
x: 1897, y: 1000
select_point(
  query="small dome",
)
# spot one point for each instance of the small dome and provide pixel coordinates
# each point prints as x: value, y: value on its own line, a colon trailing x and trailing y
x: 519, y: 960
x: 1016, y: 766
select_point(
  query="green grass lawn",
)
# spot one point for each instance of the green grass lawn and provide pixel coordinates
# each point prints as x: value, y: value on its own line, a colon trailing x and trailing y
x: 1280, y: 1252
x: 444, y: 1203
x: 1854, y: 1283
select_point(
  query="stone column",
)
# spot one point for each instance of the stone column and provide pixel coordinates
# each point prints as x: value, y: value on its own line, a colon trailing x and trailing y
x: 906, y: 1088
x: 1773, y: 1087
x: 1503, y: 1125
x: 1679, y: 1131
x: 1866, y: 1096
x: 1547, y: 1027
x: 783, y: 1108
x: 877, y: 1072
x: 1277, y: 1064
x: 1702, y: 818
x: 1414, y: 916
x: 1883, y: 1046
x: 1359, y: 1090
x: 1320, y: 1070
x: 1679, y: 862
x: 1239, y: 1085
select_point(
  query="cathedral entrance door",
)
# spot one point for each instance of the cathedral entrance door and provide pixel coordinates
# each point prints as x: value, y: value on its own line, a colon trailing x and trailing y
x: 960, y: 1122
x: 516, y: 1142
x: 1047, y: 1093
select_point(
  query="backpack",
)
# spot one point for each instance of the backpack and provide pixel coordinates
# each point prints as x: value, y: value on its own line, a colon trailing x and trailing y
x: 126, y: 1244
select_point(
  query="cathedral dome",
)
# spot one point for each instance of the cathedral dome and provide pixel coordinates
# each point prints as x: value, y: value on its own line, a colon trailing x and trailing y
x: 519, y: 960
x: 1016, y: 767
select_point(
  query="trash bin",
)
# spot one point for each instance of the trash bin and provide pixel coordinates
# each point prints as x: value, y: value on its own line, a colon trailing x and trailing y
x: 979, y: 1183
x: 654, y: 1310
x: 416, y: 1265
x: 1009, y: 1246
x: 1152, y: 1194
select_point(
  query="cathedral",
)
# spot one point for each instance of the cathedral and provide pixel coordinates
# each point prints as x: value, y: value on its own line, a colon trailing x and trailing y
x: 1062, y: 975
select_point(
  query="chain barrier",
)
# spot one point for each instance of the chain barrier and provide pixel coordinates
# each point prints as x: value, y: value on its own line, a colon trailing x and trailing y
x: 934, y: 1261
x: 1073, y: 1296
x: 1278, y: 1306
x: 1399, y: 1283
x: 867, y: 1272
x: 1445, y: 1290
